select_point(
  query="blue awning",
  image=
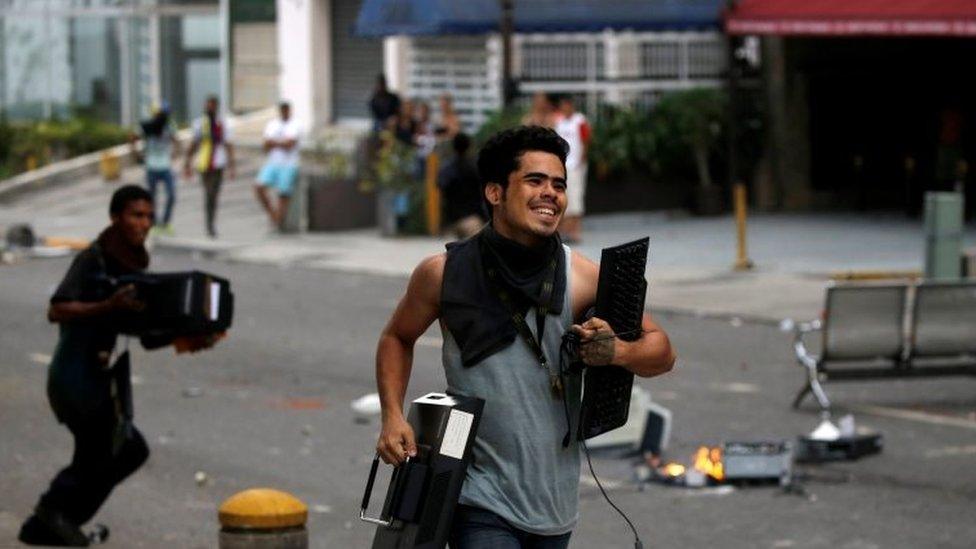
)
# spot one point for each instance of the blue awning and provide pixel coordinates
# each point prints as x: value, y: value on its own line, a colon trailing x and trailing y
x: 440, y: 17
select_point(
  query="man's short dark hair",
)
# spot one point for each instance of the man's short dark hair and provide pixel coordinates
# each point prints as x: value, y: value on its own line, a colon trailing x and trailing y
x: 123, y: 196
x: 500, y: 155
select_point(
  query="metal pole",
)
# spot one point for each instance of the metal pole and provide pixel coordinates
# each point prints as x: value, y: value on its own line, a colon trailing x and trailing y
x: 225, y: 57
x: 124, y: 38
x: 47, y: 108
x: 507, y: 28
x: 742, y: 261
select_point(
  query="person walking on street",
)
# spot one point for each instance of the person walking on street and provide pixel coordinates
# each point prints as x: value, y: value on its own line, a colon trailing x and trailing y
x: 574, y: 128
x: 86, y: 388
x: 521, y: 488
x: 280, y: 170
x: 160, y: 147
x: 209, y: 154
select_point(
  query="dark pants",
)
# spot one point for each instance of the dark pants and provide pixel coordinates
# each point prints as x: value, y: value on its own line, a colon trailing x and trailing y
x: 475, y: 528
x: 154, y: 177
x: 96, y: 467
x: 211, y: 187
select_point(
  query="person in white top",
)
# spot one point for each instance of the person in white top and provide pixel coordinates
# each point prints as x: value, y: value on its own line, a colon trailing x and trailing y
x: 280, y: 170
x: 574, y: 128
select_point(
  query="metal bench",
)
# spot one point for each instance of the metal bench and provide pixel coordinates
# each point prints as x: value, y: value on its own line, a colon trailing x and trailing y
x: 873, y: 331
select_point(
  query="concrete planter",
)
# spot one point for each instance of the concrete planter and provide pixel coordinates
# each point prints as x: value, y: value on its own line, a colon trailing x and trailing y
x: 337, y: 204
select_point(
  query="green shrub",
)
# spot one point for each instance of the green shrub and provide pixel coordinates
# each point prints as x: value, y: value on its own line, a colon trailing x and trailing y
x: 624, y: 142
x: 498, y: 121
x: 53, y: 140
x: 689, y: 125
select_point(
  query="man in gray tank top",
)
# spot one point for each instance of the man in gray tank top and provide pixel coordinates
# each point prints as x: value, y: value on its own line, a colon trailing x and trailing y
x: 504, y: 298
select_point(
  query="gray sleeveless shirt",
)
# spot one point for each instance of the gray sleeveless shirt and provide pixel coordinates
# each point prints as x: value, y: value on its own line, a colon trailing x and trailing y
x: 520, y: 469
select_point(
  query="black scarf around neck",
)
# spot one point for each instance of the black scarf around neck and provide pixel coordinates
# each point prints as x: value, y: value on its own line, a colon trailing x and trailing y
x: 470, y: 307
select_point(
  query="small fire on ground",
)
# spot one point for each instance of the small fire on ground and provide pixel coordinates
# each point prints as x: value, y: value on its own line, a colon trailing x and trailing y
x: 706, y: 467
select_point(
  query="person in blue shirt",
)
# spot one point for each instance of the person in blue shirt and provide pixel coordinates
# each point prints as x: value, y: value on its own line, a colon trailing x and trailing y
x: 160, y: 148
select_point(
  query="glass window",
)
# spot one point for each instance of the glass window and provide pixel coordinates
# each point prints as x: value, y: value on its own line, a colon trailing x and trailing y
x: 201, y: 32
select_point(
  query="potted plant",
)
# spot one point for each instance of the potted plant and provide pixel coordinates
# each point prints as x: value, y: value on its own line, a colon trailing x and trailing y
x: 392, y: 174
x: 336, y: 198
x: 694, y: 118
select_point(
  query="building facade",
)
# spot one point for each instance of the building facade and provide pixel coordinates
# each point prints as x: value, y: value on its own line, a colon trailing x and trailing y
x: 111, y: 59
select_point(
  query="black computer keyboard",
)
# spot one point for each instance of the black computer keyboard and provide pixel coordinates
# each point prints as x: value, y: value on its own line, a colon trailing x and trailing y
x: 619, y: 301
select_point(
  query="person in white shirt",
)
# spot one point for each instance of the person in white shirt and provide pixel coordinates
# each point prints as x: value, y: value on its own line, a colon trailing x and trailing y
x: 280, y: 170
x: 574, y: 128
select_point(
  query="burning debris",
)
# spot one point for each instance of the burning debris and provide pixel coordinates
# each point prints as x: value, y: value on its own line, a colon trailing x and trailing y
x: 770, y: 462
x: 731, y: 463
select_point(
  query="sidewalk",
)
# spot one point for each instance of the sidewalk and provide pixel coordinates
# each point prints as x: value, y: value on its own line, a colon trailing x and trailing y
x: 690, y: 259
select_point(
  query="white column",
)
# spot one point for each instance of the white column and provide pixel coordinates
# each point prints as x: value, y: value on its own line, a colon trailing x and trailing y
x: 611, y: 66
x: 305, y: 59
x: 395, y: 63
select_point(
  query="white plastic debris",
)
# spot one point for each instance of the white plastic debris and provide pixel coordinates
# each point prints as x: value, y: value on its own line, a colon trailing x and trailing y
x: 200, y: 478
x: 367, y: 405
x: 786, y: 325
x: 846, y: 426
x: 825, y: 431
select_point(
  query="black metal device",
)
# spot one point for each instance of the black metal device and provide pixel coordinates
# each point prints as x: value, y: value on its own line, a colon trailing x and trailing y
x: 620, y: 302
x: 424, y: 490
x: 810, y: 450
x: 178, y: 303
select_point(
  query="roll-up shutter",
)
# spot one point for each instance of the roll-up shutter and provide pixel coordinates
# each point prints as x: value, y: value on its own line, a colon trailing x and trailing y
x: 355, y: 63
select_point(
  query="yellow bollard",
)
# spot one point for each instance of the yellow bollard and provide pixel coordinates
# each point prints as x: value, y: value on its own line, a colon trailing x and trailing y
x: 109, y: 166
x: 742, y: 261
x: 433, y: 194
x: 263, y: 518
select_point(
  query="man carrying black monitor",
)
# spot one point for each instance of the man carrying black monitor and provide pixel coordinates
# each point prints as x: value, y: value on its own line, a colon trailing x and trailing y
x: 88, y: 375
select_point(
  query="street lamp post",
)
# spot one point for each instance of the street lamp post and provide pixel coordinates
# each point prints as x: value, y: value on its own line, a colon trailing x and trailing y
x: 507, y: 27
x: 742, y: 261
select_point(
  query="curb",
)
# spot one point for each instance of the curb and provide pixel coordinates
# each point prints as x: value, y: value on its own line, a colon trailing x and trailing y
x: 873, y: 275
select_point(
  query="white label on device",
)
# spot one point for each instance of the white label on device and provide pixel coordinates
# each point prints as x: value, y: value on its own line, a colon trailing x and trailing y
x: 214, y: 300
x: 456, y: 434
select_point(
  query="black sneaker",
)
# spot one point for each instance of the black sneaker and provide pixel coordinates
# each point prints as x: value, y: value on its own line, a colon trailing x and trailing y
x: 52, y: 529
x: 33, y: 532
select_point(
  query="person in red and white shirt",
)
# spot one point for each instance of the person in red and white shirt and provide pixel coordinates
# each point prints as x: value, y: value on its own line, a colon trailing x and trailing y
x: 574, y: 128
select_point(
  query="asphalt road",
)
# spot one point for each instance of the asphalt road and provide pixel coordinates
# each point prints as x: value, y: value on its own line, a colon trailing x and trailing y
x: 270, y: 407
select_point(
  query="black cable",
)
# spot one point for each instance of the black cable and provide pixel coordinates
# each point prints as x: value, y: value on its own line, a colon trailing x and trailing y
x: 570, y: 348
x: 637, y: 541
